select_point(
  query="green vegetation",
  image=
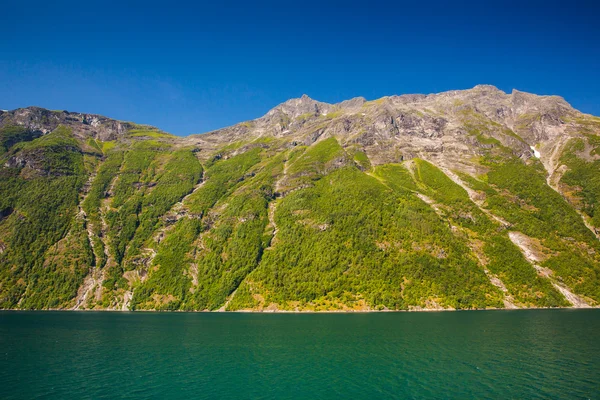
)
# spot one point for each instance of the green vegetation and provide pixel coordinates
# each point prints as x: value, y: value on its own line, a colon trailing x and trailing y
x: 148, y: 185
x: 67, y: 263
x: 362, y: 160
x: 92, y: 204
x: 317, y: 160
x: 178, y: 177
x: 231, y: 242
x: 304, y: 117
x: 220, y: 178
x: 396, y: 176
x: 334, y: 114
x: 168, y: 285
x: 402, y: 255
x: 38, y: 204
x: 484, y: 235
x: 531, y: 205
x: 107, y: 146
x: 522, y: 197
x: 141, y: 133
x: 151, y: 222
x: 11, y: 135
x: 57, y: 153
x: 584, y: 175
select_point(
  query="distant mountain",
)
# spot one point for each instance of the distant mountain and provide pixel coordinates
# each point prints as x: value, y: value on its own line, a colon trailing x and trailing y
x: 457, y: 200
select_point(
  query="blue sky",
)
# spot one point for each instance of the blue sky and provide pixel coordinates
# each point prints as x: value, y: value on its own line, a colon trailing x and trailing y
x: 194, y: 67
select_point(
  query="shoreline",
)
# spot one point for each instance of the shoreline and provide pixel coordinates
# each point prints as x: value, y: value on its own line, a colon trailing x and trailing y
x: 295, y: 312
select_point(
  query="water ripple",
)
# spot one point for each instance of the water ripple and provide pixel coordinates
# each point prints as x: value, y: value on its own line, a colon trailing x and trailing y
x: 524, y: 354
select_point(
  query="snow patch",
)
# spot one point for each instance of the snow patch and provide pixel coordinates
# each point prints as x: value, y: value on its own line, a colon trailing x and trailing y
x: 535, y: 152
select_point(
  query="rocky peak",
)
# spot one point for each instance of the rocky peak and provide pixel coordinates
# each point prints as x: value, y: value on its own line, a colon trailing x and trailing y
x: 293, y: 108
x: 407, y: 98
x: 532, y: 102
x: 487, y: 88
x: 356, y: 102
x: 82, y: 124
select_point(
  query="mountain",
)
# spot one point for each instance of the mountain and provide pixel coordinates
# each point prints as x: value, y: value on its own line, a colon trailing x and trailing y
x: 458, y: 200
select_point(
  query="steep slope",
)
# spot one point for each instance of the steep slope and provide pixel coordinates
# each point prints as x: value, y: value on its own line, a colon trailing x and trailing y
x: 463, y: 199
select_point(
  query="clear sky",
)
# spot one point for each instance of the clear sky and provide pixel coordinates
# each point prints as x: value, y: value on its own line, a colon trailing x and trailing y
x: 194, y: 67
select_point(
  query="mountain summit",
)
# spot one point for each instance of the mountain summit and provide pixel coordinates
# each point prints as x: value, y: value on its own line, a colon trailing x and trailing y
x: 458, y: 200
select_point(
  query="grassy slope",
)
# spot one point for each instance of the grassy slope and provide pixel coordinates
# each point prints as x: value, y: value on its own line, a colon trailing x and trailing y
x: 504, y: 258
x: 39, y: 202
x: 345, y: 234
x: 403, y: 255
x: 532, y: 207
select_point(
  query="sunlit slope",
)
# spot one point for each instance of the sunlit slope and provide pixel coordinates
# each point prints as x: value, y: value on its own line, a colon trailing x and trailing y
x: 461, y: 200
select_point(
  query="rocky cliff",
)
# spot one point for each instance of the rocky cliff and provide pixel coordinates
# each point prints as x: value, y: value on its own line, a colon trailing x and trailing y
x: 464, y: 199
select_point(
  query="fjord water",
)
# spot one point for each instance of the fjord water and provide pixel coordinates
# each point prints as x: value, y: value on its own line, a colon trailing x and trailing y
x: 488, y: 354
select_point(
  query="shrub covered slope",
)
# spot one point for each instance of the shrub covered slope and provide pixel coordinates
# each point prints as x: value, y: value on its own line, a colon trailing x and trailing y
x: 461, y: 200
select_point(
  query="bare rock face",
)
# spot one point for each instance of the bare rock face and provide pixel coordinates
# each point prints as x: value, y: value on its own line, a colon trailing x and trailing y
x: 296, y: 107
x: 449, y: 128
x: 355, y: 103
x: 82, y: 125
x: 471, y: 139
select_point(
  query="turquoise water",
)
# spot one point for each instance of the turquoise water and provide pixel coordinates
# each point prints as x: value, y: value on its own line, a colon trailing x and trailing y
x: 487, y: 354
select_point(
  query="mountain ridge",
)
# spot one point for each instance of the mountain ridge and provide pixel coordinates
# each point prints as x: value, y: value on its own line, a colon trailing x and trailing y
x: 463, y: 199
x: 349, y: 103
